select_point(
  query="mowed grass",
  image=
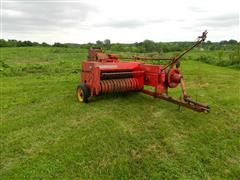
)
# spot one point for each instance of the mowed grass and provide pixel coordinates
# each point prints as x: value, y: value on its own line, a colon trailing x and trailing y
x: 46, y: 133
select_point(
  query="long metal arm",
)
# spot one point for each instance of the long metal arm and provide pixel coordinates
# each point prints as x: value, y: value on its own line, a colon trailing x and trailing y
x: 146, y: 58
x: 199, y: 41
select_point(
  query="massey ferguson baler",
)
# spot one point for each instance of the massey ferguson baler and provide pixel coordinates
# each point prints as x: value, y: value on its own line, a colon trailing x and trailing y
x: 104, y: 73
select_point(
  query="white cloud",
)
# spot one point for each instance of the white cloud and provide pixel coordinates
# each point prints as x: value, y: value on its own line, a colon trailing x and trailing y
x: 13, y: 13
x: 127, y: 21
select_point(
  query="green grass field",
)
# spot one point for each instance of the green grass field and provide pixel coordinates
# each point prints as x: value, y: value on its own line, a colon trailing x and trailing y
x: 46, y: 133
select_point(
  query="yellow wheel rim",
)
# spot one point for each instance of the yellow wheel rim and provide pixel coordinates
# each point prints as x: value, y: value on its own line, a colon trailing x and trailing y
x: 80, y: 95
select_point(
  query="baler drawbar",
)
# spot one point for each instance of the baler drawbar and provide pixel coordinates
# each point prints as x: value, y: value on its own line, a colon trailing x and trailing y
x: 104, y: 73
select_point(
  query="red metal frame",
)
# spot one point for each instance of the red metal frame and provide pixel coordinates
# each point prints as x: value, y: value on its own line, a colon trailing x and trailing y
x: 105, y: 73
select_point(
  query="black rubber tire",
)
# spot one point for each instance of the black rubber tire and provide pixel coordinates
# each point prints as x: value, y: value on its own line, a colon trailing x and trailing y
x: 82, y: 93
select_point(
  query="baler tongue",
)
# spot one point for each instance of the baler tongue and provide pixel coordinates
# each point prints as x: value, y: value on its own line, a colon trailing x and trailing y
x: 198, y: 106
x: 188, y: 103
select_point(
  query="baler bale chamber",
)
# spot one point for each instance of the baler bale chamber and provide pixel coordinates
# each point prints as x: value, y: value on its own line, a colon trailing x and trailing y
x: 108, y: 77
x: 104, y: 73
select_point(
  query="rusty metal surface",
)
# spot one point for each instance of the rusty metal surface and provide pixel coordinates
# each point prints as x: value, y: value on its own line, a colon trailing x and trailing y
x: 188, y: 104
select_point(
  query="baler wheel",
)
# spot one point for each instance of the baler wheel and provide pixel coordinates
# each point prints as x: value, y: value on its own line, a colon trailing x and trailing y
x: 82, y: 93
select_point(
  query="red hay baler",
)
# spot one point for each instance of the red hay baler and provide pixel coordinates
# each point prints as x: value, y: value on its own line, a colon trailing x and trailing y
x: 104, y: 73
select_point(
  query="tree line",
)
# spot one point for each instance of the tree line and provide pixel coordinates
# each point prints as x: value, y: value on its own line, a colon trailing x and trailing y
x: 139, y: 47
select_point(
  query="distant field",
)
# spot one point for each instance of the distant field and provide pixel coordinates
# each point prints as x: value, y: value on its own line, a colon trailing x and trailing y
x: 46, y: 133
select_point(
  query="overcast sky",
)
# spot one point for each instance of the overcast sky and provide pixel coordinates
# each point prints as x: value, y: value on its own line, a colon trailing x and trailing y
x: 126, y: 21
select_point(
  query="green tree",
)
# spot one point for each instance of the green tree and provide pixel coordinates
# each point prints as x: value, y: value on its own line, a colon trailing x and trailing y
x: 99, y: 43
x: 149, y: 45
x: 57, y: 44
x: 3, y: 43
x: 13, y: 43
x: 232, y: 41
x: 107, y: 43
x: 220, y: 55
x: 45, y: 44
